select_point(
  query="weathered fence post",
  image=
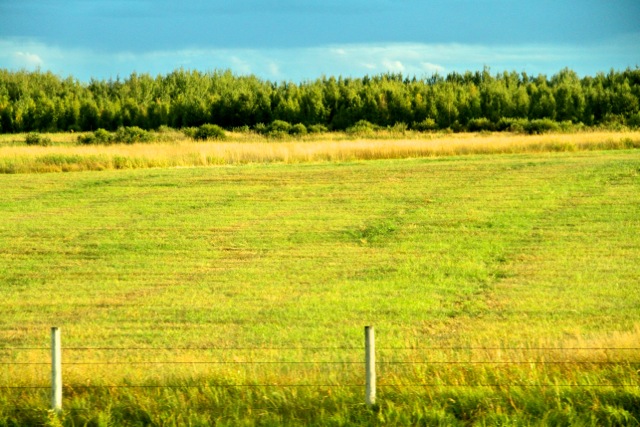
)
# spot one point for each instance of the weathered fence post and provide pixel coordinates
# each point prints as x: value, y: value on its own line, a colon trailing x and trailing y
x: 56, y: 370
x: 370, y: 365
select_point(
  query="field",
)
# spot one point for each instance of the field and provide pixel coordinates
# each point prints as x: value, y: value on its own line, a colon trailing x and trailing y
x: 173, y: 149
x: 521, y: 267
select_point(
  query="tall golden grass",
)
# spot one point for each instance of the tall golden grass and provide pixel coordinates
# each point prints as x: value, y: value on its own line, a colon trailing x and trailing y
x: 185, y: 153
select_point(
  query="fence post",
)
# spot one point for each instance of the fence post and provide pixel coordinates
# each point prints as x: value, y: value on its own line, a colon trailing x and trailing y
x: 370, y: 365
x: 56, y: 370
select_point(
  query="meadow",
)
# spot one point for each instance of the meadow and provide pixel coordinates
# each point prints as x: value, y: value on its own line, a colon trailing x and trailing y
x: 500, y: 275
x: 173, y: 149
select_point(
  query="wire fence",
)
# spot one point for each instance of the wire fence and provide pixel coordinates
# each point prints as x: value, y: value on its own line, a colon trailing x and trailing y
x: 438, y: 348
x: 625, y: 358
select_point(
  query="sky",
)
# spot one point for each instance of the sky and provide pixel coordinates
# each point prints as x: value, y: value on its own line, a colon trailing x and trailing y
x: 299, y: 40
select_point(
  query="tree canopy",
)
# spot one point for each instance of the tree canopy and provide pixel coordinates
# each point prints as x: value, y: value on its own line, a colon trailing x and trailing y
x: 44, y: 102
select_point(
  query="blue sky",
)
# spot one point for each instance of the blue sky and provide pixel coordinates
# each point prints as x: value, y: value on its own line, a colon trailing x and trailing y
x: 303, y: 39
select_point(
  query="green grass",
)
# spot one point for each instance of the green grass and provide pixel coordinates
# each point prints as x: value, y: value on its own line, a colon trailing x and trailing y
x: 500, y: 251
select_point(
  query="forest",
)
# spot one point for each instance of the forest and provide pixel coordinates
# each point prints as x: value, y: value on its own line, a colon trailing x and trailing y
x: 38, y: 101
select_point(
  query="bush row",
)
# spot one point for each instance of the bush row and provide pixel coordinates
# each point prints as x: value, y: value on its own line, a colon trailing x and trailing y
x: 205, y: 132
x: 125, y: 135
x: 279, y: 129
x: 34, y: 138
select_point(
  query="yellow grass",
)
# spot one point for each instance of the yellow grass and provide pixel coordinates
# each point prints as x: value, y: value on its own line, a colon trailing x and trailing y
x: 250, y: 148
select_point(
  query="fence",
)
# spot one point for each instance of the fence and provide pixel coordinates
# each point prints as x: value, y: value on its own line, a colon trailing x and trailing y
x: 368, y: 363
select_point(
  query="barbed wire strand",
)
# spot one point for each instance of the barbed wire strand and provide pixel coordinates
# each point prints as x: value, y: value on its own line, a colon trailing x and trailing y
x: 326, y: 348
x: 25, y: 363
x: 354, y: 363
x: 207, y: 348
x: 320, y: 363
x: 506, y: 385
x: 215, y: 363
x: 588, y: 362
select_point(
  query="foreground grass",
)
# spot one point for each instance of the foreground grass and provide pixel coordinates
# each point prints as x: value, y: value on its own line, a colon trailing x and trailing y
x: 525, y: 252
x: 205, y: 406
x: 178, y: 151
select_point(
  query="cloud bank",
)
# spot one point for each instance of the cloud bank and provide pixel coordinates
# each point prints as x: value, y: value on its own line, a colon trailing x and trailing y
x: 299, y: 64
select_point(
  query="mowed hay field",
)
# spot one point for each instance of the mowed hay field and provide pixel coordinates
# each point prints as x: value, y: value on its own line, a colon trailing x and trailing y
x: 521, y: 269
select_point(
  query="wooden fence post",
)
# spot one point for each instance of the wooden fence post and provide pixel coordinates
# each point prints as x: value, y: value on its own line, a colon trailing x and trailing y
x: 370, y: 365
x: 56, y: 370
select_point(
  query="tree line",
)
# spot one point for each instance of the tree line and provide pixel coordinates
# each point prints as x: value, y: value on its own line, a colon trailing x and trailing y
x: 44, y: 102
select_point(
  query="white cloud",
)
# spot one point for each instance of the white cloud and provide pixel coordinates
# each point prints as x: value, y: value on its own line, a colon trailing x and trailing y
x: 27, y: 60
x: 274, y: 70
x: 240, y: 66
x: 428, y: 67
x: 394, y: 66
x: 299, y: 64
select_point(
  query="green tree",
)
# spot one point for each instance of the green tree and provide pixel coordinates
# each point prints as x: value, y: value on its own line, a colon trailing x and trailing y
x: 312, y: 105
x: 446, y: 105
x: 568, y: 95
x: 89, y: 115
x: 543, y: 103
x: 495, y: 100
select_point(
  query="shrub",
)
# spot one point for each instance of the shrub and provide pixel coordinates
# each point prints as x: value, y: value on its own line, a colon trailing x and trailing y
x: 103, y: 136
x: 34, y: 138
x: 164, y: 129
x: 278, y: 129
x: 427, y: 125
x: 127, y: 135
x: 399, y: 127
x: 318, y: 128
x: 613, y: 121
x: 261, y: 128
x: 541, y: 126
x: 298, y: 129
x: 99, y: 136
x: 209, y: 131
x: 242, y: 129
x: 634, y: 121
x: 189, y: 132
x: 578, y: 127
x: 279, y: 126
x: 457, y: 127
x: 567, y: 126
x: 163, y: 133
x: 511, y: 125
x: 132, y: 134
x: 361, y: 127
x: 481, y: 124
x: 277, y: 134
x: 87, y: 139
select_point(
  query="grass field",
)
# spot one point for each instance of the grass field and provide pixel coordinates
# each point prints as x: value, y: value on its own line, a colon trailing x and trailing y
x: 175, y: 150
x: 505, y: 254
